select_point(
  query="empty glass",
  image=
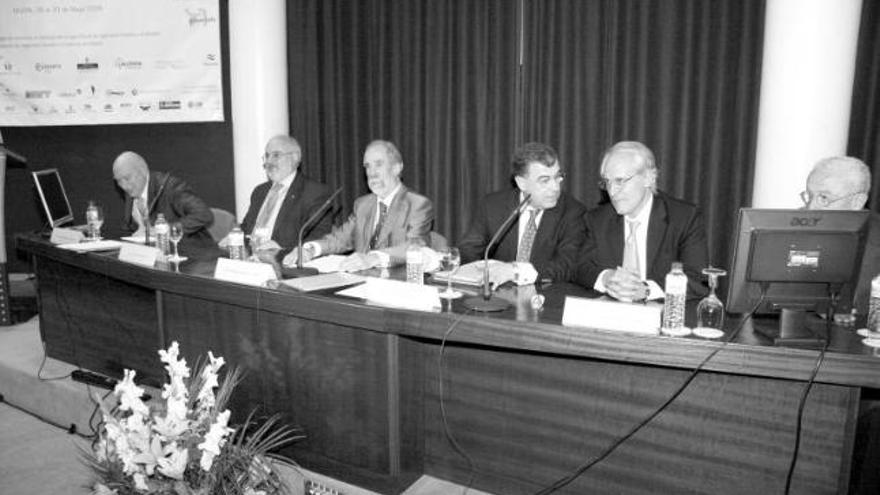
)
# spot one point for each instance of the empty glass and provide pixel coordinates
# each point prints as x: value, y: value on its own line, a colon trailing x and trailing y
x: 94, y: 220
x: 450, y: 260
x: 175, y: 234
x: 710, y: 311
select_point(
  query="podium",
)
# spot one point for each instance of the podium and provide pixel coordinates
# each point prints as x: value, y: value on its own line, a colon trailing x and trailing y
x: 5, y: 310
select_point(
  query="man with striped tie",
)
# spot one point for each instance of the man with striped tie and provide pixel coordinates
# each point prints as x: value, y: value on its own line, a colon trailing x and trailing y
x: 381, y: 223
x: 281, y: 205
x: 545, y: 242
x: 635, y: 238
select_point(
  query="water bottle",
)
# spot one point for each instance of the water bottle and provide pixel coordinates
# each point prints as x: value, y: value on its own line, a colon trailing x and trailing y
x: 161, y: 230
x: 414, y: 263
x: 235, y: 244
x: 674, y: 301
x: 874, y: 306
x: 92, y: 219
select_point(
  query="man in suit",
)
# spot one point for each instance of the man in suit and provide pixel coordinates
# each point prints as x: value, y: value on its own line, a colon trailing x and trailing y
x: 281, y: 205
x: 843, y: 183
x: 149, y: 193
x: 382, y: 223
x: 636, y: 237
x: 548, y: 236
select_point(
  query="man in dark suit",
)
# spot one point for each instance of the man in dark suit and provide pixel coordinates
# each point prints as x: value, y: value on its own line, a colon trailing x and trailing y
x: 150, y: 193
x: 280, y: 206
x: 636, y: 237
x: 382, y: 223
x: 843, y: 183
x: 548, y: 235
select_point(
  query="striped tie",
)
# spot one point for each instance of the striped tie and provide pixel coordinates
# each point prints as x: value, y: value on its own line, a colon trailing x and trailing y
x: 383, y: 212
x: 631, y: 250
x: 524, y: 253
x: 268, y: 206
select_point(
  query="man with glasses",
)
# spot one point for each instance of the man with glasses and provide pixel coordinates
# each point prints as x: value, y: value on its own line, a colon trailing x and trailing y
x: 633, y: 240
x: 843, y: 183
x: 281, y: 205
x: 546, y: 241
x: 382, y: 223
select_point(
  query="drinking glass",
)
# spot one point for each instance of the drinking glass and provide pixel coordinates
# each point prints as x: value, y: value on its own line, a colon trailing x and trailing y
x: 94, y: 220
x: 710, y: 311
x: 175, y: 234
x: 449, y: 262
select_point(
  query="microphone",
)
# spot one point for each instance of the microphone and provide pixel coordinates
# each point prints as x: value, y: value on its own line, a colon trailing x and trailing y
x: 301, y: 271
x: 486, y: 302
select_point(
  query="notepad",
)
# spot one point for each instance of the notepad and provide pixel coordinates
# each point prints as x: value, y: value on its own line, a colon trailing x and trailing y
x: 324, y: 281
x: 105, y: 245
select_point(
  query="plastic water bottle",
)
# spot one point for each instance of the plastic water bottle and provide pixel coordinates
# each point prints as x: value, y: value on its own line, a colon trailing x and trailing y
x: 874, y: 306
x: 674, y: 301
x: 414, y: 263
x: 235, y: 244
x: 161, y: 229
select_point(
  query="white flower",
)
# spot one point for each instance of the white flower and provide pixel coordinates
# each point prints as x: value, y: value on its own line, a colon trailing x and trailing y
x: 140, y: 482
x: 176, y: 368
x: 209, y: 376
x: 173, y: 464
x: 102, y: 489
x: 130, y: 395
x: 214, y: 440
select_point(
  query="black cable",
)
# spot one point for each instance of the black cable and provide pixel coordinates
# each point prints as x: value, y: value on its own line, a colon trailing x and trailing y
x: 71, y: 429
x: 829, y: 317
x: 446, y: 430
x: 580, y: 470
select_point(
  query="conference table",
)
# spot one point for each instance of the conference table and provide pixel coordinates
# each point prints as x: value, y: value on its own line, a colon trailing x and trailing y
x: 510, y: 402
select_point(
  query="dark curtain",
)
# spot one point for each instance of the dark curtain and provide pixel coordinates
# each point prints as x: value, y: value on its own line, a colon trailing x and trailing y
x: 443, y: 80
x: 683, y: 77
x: 437, y: 78
x: 864, y: 125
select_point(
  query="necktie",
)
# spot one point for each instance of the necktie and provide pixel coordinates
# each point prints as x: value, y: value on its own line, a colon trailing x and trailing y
x: 141, y: 207
x: 383, y: 212
x: 631, y: 249
x: 524, y: 253
x: 268, y: 206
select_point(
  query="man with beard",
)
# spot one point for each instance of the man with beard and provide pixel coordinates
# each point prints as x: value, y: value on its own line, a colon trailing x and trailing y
x: 547, y: 239
x: 382, y: 223
x: 636, y: 237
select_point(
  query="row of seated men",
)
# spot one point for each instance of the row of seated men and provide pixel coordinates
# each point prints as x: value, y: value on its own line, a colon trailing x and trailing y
x: 614, y: 248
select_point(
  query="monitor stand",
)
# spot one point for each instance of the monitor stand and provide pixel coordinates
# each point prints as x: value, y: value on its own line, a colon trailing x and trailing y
x: 794, y: 331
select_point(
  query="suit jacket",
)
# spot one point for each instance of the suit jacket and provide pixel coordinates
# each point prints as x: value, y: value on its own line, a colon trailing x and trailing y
x: 675, y: 233
x: 410, y: 216
x: 173, y: 198
x: 304, y: 197
x: 558, y: 241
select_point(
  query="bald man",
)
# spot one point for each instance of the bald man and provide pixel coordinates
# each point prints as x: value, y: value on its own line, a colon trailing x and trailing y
x: 149, y: 193
x: 843, y: 183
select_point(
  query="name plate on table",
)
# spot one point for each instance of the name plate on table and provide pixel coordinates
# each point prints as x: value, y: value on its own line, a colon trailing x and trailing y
x: 396, y: 294
x: 138, y: 254
x: 244, y: 272
x: 612, y: 315
x: 62, y: 235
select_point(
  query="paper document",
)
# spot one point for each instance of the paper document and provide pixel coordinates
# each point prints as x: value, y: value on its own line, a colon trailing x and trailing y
x: 106, y: 245
x: 324, y: 281
x: 139, y: 239
x: 396, y: 294
x: 326, y: 264
x: 469, y: 274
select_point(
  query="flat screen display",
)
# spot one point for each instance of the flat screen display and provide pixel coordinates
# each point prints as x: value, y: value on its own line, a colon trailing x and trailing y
x: 53, y: 197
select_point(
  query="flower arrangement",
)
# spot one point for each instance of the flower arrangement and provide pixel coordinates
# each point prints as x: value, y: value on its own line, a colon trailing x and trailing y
x: 185, y: 445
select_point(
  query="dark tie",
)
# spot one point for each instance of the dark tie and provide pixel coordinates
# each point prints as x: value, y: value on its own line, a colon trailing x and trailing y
x: 631, y: 249
x: 268, y: 206
x: 383, y: 212
x: 524, y: 252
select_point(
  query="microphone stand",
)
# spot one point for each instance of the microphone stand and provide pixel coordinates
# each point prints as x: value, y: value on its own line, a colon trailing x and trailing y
x: 487, y: 302
x: 300, y: 270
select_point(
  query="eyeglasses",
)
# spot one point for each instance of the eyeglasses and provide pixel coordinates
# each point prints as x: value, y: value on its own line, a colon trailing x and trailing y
x: 619, y: 182
x: 822, y: 199
x: 274, y: 156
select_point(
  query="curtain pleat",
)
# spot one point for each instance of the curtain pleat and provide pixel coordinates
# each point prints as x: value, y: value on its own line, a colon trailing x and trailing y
x: 864, y: 126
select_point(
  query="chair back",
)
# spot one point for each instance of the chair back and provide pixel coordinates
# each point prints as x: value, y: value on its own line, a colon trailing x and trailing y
x: 223, y: 223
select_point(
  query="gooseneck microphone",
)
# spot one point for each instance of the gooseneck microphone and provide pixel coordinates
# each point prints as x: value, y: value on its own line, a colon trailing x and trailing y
x: 301, y: 271
x: 486, y: 302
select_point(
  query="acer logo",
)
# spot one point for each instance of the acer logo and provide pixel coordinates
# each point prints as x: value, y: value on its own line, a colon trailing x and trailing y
x: 805, y: 221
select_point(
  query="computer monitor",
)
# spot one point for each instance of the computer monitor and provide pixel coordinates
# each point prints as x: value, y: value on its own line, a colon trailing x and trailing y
x: 52, y: 196
x: 798, y: 260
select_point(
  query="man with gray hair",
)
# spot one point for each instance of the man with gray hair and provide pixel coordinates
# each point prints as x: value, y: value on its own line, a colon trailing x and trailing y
x: 843, y: 183
x: 149, y: 193
x: 633, y: 239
